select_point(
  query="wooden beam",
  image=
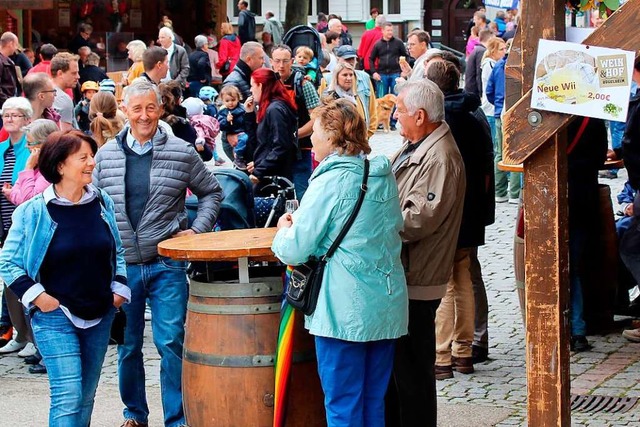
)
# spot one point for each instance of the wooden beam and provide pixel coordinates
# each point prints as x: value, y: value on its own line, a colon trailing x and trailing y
x: 520, y: 138
x: 547, y: 285
x: 545, y: 208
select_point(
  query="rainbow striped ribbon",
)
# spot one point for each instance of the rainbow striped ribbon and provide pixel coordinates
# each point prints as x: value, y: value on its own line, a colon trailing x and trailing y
x: 284, y: 357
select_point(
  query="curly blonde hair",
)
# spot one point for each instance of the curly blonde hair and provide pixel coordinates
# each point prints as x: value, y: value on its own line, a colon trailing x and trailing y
x: 345, y: 126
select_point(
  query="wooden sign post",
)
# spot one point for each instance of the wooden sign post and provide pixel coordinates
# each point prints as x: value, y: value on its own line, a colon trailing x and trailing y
x: 537, y: 138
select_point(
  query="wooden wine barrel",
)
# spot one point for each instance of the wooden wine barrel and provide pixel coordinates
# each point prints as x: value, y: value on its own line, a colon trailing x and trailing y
x: 229, y: 353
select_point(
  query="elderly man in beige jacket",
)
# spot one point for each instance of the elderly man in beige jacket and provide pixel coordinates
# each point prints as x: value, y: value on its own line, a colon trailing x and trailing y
x: 431, y: 184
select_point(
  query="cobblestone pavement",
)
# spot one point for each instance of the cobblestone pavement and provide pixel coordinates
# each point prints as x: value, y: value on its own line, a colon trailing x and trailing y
x: 497, y: 389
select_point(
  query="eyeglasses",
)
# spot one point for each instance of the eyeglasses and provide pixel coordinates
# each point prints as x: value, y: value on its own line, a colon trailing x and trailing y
x: 280, y: 61
x: 48, y: 91
x: 12, y: 116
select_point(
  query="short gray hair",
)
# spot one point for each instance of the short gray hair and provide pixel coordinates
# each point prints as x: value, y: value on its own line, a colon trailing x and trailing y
x: 200, y: 41
x: 167, y: 31
x: 380, y: 20
x: 93, y: 59
x: 140, y: 87
x: 40, y: 129
x: 249, y: 49
x: 18, y: 103
x: 423, y: 95
x: 333, y: 21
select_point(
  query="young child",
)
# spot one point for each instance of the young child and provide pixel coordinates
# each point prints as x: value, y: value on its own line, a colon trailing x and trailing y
x: 207, y: 128
x: 306, y: 62
x: 231, y: 119
x: 473, y: 41
x: 81, y: 111
x: 208, y: 95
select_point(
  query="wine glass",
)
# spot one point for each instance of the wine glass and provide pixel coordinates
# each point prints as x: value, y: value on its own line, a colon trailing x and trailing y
x: 290, y: 206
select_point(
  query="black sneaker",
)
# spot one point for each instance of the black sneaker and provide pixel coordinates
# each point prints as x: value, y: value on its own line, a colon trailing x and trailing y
x: 579, y: 343
x: 37, y: 369
x: 240, y: 164
x: 393, y: 128
x: 33, y: 360
x: 479, y: 354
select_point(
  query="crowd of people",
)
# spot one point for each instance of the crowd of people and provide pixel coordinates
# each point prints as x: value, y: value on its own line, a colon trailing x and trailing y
x: 78, y: 162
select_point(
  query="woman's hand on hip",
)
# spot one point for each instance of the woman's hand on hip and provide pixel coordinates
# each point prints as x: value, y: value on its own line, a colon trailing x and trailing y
x: 118, y: 300
x: 285, y: 221
x: 46, y: 302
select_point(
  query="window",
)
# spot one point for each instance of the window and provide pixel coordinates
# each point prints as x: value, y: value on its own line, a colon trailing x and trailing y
x: 392, y: 6
x: 378, y: 4
x: 322, y: 6
x: 255, y: 6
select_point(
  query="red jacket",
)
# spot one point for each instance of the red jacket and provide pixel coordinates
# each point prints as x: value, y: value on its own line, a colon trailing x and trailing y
x: 369, y: 38
x: 229, y: 47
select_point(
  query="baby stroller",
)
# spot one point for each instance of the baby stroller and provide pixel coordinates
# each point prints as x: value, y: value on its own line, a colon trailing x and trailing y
x: 271, y: 198
x: 237, y: 207
x: 236, y: 213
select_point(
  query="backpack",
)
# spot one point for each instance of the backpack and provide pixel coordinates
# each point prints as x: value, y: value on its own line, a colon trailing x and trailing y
x: 302, y: 35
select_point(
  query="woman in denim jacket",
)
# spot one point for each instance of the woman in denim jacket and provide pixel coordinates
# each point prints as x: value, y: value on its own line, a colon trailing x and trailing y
x: 363, y: 279
x: 64, y: 259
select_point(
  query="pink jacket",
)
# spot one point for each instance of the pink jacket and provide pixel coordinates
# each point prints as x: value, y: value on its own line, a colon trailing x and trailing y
x: 207, y: 128
x: 30, y: 183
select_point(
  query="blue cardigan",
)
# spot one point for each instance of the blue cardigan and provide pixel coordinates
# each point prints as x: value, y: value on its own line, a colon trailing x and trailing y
x: 22, y: 154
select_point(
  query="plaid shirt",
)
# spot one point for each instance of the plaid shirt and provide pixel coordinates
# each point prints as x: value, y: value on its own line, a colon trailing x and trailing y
x: 311, y: 98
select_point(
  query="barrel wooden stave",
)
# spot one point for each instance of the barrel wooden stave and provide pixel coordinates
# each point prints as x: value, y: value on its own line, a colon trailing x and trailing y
x: 228, y: 373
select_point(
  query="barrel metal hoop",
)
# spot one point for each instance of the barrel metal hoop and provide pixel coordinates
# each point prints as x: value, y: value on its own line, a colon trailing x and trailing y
x: 256, y: 361
x: 264, y: 287
x: 233, y: 309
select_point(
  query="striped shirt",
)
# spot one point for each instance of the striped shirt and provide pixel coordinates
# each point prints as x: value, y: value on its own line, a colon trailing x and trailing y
x: 6, y: 207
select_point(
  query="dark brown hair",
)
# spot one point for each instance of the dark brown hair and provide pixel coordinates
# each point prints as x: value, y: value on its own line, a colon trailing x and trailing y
x: 57, y: 148
x: 444, y: 74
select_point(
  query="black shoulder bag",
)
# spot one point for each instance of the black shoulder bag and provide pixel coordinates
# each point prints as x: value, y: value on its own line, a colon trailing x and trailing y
x: 306, y: 279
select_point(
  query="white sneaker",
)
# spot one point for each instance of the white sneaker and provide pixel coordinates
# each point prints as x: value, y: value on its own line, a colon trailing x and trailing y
x: 12, y: 346
x: 147, y: 313
x: 28, y: 350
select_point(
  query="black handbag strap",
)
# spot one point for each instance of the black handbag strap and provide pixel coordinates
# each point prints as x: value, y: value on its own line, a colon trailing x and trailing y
x: 354, y: 214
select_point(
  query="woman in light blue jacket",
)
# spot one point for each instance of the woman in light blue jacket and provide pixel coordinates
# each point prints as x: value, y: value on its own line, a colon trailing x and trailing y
x: 363, y: 303
x: 64, y: 259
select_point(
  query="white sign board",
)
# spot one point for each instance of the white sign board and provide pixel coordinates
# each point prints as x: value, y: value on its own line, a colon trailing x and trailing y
x: 582, y: 80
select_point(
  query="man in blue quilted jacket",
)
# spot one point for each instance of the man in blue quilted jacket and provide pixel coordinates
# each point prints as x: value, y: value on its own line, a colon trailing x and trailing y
x: 147, y: 172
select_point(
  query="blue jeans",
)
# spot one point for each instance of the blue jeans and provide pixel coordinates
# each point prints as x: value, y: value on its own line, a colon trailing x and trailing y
x: 241, y: 146
x: 354, y: 377
x: 5, y: 319
x: 164, y: 282
x: 387, y: 84
x: 577, y: 239
x: 301, y: 172
x: 617, y: 132
x: 74, y: 358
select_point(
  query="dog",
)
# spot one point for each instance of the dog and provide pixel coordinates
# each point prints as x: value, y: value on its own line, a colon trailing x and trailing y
x: 384, y: 107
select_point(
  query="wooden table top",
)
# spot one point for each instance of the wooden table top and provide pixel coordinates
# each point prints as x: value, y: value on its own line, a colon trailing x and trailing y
x: 609, y: 164
x: 229, y: 245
